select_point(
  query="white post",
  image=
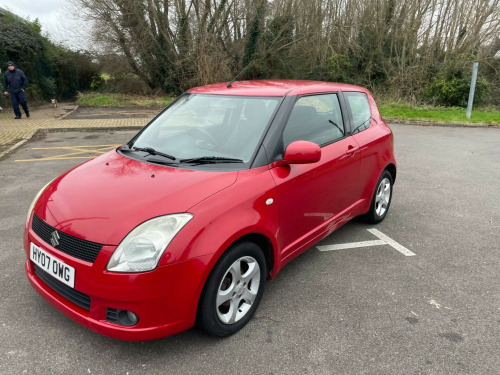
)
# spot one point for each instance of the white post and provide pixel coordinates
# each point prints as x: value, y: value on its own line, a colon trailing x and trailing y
x: 475, y: 67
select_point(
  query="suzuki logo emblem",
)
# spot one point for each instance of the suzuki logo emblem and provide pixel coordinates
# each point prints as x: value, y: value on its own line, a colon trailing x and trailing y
x: 54, y: 238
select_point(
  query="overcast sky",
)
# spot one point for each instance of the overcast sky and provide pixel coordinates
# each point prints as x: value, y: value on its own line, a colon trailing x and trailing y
x: 59, y: 19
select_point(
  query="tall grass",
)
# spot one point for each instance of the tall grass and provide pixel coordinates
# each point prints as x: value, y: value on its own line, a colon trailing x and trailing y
x: 122, y: 100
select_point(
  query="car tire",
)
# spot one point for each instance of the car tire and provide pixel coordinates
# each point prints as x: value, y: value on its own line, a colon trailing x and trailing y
x: 233, y: 290
x: 381, y: 200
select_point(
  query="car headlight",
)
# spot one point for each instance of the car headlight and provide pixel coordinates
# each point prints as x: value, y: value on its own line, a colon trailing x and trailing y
x: 32, y: 205
x: 143, y: 247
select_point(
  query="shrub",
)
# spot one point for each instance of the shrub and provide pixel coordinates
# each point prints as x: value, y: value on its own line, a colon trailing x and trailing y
x: 34, y: 92
x: 48, y: 87
x: 454, y: 92
x: 53, y: 71
x: 340, y: 68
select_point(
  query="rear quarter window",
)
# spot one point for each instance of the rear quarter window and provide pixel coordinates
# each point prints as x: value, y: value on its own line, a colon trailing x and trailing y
x: 360, y: 110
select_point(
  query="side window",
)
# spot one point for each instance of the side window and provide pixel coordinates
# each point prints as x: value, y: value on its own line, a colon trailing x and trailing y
x: 315, y: 118
x: 360, y: 109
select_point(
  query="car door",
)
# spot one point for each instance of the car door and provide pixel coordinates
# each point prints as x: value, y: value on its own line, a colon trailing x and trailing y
x: 314, y: 199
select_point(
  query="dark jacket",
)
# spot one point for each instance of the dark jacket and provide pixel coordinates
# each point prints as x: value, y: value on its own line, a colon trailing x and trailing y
x: 15, y: 80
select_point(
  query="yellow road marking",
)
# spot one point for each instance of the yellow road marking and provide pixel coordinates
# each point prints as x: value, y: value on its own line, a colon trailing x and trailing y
x: 78, y: 152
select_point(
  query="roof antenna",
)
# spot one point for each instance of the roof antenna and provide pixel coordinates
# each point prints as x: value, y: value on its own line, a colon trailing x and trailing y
x: 230, y: 84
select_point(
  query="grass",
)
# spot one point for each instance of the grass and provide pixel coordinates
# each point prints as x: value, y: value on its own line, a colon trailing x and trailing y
x: 404, y: 111
x: 122, y: 100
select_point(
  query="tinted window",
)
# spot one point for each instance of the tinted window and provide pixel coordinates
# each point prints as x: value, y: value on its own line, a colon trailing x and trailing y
x: 360, y: 109
x: 315, y: 118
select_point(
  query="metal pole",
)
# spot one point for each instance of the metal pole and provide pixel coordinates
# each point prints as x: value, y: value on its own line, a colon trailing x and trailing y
x: 475, y: 67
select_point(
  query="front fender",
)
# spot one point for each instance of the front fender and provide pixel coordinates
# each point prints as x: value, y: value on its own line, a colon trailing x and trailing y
x: 248, y: 206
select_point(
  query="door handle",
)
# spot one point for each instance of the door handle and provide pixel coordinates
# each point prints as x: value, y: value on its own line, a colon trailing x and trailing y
x: 351, y: 150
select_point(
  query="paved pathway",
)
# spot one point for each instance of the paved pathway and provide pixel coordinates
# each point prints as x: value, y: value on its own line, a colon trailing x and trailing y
x: 15, y: 132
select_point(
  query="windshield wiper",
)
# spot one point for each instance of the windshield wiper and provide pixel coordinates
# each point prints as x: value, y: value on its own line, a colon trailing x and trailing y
x: 152, y: 151
x: 360, y: 125
x: 211, y: 160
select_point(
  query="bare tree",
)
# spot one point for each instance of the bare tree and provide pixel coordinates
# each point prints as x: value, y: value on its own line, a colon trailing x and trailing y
x: 389, y: 45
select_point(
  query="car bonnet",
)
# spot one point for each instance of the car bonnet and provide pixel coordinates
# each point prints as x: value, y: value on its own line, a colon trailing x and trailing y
x: 103, y: 199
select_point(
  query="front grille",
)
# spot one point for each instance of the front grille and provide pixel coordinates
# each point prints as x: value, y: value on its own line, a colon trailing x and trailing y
x: 73, y: 295
x: 74, y: 246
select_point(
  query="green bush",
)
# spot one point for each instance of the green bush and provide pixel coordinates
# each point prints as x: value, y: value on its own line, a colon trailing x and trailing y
x: 4, y: 101
x: 53, y: 71
x: 48, y: 87
x: 454, y: 91
x: 34, y: 92
x: 19, y: 43
x: 97, y: 82
x: 340, y: 68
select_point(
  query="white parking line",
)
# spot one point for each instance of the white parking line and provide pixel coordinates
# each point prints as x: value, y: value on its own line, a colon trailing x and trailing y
x: 383, y: 240
x: 352, y: 245
x: 403, y: 250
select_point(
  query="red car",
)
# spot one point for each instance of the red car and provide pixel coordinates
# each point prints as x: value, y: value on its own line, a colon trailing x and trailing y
x: 185, y: 222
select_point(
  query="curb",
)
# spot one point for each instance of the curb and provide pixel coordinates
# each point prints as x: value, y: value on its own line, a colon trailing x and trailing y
x: 441, y: 124
x: 18, y: 144
x: 69, y: 113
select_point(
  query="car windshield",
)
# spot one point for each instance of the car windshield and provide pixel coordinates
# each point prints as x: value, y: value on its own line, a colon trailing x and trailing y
x: 208, y: 128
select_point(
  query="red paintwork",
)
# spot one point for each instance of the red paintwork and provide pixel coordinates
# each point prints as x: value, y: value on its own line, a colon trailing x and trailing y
x: 112, y: 180
x: 103, y: 199
x: 277, y: 87
x: 302, y: 152
x: 307, y: 211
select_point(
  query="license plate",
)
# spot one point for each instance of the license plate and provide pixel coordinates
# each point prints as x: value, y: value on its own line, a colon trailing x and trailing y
x: 53, y: 266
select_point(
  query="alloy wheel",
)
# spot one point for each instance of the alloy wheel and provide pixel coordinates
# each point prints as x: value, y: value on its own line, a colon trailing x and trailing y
x: 238, y: 289
x: 383, y: 197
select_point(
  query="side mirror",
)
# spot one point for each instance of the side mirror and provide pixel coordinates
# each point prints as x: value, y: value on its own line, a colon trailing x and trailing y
x: 301, y: 152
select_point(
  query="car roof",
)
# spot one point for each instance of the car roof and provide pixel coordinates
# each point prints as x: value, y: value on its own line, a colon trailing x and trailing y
x: 277, y: 87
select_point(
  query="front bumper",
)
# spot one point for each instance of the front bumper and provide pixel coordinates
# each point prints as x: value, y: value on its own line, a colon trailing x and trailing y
x: 165, y: 299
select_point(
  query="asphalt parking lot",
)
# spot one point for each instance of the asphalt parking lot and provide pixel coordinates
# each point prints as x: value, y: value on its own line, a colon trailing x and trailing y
x: 365, y: 310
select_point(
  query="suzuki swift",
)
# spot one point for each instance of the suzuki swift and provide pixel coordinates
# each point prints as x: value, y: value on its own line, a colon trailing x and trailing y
x: 183, y: 224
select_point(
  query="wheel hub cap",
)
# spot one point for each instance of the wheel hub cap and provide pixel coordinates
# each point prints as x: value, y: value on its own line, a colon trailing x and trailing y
x: 383, y: 197
x: 238, y: 290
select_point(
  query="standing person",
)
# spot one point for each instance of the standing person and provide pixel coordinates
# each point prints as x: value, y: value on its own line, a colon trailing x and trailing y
x: 15, y: 80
